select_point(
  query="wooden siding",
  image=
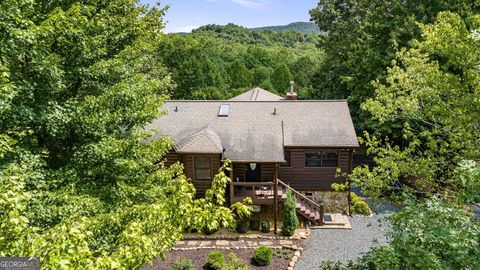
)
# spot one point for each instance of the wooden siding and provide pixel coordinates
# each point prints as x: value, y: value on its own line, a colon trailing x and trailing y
x: 268, y: 172
x: 200, y: 185
x: 171, y: 157
x: 304, y: 178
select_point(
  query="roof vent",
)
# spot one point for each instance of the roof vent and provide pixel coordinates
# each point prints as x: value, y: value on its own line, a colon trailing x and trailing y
x: 224, y: 109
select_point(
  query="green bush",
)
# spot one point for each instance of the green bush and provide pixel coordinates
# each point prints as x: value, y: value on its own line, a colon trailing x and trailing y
x: 263, y: 255
x: 242, y: 226
x: 183, y: 264
x: 215, y: 260
x: 234, y: 263
x: 255, y: 224
x: 290, y: 220
x: 358, y: 205
x: 266, y: 226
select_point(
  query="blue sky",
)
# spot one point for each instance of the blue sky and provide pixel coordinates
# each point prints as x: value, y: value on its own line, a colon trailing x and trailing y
x: 185, y: 15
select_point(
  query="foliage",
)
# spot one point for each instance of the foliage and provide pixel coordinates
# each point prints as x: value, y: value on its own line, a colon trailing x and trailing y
x: 81, y: 188
x: 215, y: 260
x: 424, y: 235
x: 288, y: 36
x: 183, y: 264
x: 290, y: 219
x: 431, y: 90
x: 255, y: 224
x: 362, y: 39
x: 207, y: 67
x: 265, y: 226
x: 242, y: 226
x: 358, y: 205
x: 303, y: 27
x: 234, y: 263
x: 263, y: 255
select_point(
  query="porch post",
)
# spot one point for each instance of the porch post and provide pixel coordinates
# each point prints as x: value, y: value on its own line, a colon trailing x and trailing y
x: 231, y: 185
x: 275, y: 200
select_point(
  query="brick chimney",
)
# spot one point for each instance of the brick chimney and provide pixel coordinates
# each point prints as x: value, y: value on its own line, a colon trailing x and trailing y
x: 292, y: 95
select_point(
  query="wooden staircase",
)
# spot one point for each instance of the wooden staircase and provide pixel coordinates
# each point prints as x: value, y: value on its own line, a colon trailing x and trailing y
x: 305, y: 207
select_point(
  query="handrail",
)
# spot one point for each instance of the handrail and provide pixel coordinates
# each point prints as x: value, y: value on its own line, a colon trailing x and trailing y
x: 248, y: 184
x: 299, y: 194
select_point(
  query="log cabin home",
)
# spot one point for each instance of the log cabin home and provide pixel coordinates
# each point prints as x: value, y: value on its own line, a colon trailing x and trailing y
x: 272, y: 143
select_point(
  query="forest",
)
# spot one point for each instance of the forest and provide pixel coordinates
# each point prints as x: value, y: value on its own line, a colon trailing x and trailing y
x: 80, y: 80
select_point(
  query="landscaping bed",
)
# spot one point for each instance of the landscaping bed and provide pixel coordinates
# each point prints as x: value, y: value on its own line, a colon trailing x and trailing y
x: 281, y: 258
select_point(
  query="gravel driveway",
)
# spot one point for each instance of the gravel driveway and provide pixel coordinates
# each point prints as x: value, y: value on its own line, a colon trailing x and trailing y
x: 344, y: 245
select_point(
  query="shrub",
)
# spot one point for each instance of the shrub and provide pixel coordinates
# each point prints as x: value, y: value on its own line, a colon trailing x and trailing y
x: 290, y: 220
x: 242, y: 226
x: 255, y: 225
x: 208, y: 231
x: 358, y: 205
x: 183, y: 264
x: 234, y: 263
x: 263, y: 255
x: 266, y: 226
x: 215, y: 260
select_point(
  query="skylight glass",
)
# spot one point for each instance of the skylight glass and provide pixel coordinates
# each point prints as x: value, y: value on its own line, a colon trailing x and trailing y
x: 223, y: 111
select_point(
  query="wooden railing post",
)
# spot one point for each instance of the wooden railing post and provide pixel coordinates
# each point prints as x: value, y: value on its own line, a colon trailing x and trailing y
x: 232, y: 190
x: 275, y: 200
x: 321, y: 214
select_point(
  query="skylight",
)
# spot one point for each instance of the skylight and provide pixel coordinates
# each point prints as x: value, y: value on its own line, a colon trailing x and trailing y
x: 223, y: 111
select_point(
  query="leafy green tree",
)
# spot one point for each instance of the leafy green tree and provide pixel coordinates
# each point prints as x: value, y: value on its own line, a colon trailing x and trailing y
x: 361, y: 41
x: 240, y: 76
x: 431, y: 91
x: 290, y: 219
x: 425, y: 235
x: 281, y: 78
x: 80, y: 187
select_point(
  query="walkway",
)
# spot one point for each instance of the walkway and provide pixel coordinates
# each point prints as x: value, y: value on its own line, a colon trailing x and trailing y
x: 243, y: 243
x: 344, y: 245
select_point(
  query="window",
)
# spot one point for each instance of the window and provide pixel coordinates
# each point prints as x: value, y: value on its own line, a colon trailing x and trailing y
x: 287, y: 159
x: 321, y: 159
x: 329, y: 159
x: 202, y: 168
x: 313, y: 159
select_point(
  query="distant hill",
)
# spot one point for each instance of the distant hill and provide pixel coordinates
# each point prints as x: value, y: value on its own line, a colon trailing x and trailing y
x: 268, y: 36
x: 304, y: 27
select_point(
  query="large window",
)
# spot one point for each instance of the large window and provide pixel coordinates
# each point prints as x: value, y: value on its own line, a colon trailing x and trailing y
x: 203, y: 169
x: 287, y: 159
x: 321, y: 159
x: 313, y: 159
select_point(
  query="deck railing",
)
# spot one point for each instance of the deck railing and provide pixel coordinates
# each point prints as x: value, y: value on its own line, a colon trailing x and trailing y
x: 259, y: 192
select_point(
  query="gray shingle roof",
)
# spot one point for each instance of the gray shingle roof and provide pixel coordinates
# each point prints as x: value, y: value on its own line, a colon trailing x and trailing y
x: 252, y: 132
x: 257, y: 94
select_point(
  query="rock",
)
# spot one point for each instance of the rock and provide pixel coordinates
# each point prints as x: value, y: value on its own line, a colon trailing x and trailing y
x: 266, y: 243
x: 285, y: 242
x: 294, y: 247
x: 290, y: 268
x: 294, y: 259
x: 297, y: 253
x: 222, y: 243
x: 291, y: 264
x: 192, y: 243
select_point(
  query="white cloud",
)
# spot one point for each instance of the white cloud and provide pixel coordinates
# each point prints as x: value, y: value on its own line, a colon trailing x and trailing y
x: 182, y: 29
x: 253, y: 4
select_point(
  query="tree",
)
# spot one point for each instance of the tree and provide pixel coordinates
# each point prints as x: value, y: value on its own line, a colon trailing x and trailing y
x: 290, y: 220
x: 281, y: 78
x: 431, y: 92
x: 425, y: 235
x: 361, y: 41
x: 240, y: 76
x: 82, y: 189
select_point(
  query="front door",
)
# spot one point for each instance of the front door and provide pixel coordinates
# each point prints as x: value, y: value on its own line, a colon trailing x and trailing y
x: 253, y: 172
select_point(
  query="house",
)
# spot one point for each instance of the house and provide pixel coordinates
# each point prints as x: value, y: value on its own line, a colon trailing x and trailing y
x: 272, y: 142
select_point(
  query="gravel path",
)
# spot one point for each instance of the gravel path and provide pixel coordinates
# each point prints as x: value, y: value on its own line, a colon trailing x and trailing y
x: 344, y: 245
